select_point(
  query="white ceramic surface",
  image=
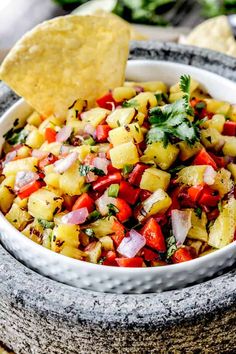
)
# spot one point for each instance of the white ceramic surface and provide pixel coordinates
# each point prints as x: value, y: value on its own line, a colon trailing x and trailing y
x: 113, y: 279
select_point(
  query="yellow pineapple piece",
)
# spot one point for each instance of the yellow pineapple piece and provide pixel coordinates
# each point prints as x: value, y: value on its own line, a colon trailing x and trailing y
x: 164, y: 157
x: 25, y: 164
x: 124, y: 154
x: 18, y: 217
x: 153, y: 179
x: 126, y: 133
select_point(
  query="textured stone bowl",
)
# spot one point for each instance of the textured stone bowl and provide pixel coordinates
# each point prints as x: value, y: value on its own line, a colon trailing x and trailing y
x: 40, y: 316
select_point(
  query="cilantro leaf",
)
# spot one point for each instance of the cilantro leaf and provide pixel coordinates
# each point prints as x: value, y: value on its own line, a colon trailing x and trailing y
x: 89, y: 232
x: 97, y: 171
x: 16, y: 136
x: 170, y: 122
x: 112, y: 209
x: 130, y: 103
x: 184, y: 84
x: 84, y: 170
x: 198, y: 212
x: 46, y: 224
x: 171, y: 246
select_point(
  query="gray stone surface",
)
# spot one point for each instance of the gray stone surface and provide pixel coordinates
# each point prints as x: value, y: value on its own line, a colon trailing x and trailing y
x: 40, y: 316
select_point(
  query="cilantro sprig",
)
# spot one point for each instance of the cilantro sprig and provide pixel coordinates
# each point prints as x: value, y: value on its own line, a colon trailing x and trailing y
x: 172, y: 120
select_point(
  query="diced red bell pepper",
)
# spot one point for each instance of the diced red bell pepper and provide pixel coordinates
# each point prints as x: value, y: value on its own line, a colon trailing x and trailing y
x: 136, y: 175
x: 30, y: 188
x: 119, y: 232
x: 106, y: 101
x: 154, y: 236
x: 102, y: 132
x: 110, y: 259
x: 50, y: 135
x: 135, y: 262
x: 111, y: 169
x: 229, y: 128
x: 128, y: 193
x: 212, y: 215
x: 175, y: 201
x: 104, y: 182
x: 182, y: 254
x: 195, y: 192
x: 209, y: 198
x: 50, y: 159
x: 125, y: 211
x: 149, y: 255
x: 219, y: 160
x: 84, y: 201
x: 203, y: 158
x: 144, y: 194
x: 161, y: 219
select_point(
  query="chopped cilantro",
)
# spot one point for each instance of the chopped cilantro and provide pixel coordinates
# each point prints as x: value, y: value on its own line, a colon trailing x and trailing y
x: 176, y: 169
x: 97, y: 171
x: 101, y: 260
x: 89, y: 232
x: 171, y: 246
x: 46, y: 224
x: 112, y: 209
x: 200, y: 105
x: 198, y: 212
x: 127, y: 169
x: 16, y: 136
x: 95, y: 215
x: 84, y: 170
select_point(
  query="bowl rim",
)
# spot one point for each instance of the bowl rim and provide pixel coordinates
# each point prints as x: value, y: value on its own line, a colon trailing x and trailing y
x: 7, y: 227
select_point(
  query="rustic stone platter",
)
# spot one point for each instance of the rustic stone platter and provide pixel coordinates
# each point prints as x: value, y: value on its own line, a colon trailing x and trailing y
x: 40, y: 316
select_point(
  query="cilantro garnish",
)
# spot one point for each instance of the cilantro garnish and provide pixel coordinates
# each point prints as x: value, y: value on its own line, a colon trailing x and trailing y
x: 95, y: 215
x: 46, y: 224
x: 171, y: 121
x: 198, y: 212
x: 89, y: 232
x: 171, y: 246
x: 176, y: 169
x: 16, y: 136
x: 112, y: 209
x: 85, y: 169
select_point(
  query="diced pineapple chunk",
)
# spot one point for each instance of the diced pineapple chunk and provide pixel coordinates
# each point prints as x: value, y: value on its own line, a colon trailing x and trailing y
x: 102, y: 227
x: 65, y: 235
x: 18, y: 217
x: 212, y: 139
x: 123, y: 93
x: 232, y: 113
x: 217, y: 122
x: 193, y: 86
x: 198, y: 230
x: 107, y: 243
x: 26, y: 164
x: 78, y: 107
x: 232, y: 168
x: 23, y: 152
x: 50, y: 122
x: 73, y: 252
x: 94, y: 116
x: 149, y: 86
x: 7, y: 194
x: 34, y: 119
x: 153, y: 179
x: 47, y: 238
x: 121, y: 117
x: 34, y: 231
x: 187, y: 151
x: 158, y: 202
x: 129, y: 132
x: 43, y: 204
x: 94, y: 253
x: 229, y: 147
x: 52, y: 179
x: 35, y: 139
x: 76, y: 125
x: 164, y: 157
x: 192, y: 175
x: 175, y: 96
x: 71, y: 182
x: 54, y: 148
x: 144, y: 101
x: 223, y: 229
x: 223, y: 182
x: 217, y: 107
x: 21, y: 202
x: 124, y: 154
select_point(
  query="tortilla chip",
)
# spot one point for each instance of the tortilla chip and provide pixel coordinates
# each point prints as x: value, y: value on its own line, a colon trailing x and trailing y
x: 67, y: 58
x: 215, y: 34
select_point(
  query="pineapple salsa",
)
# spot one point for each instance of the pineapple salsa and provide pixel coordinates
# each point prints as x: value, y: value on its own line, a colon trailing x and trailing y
x: 145, y: 178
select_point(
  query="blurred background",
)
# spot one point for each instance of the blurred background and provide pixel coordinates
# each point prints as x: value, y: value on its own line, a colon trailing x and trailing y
x: 18, y: 16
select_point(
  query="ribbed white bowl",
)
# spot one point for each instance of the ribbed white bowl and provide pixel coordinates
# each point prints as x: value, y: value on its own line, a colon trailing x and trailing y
x: 113, y: 279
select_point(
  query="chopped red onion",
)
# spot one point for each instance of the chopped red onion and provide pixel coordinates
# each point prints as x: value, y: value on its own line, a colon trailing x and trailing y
x: 63, y: 165
x: 90, y: 129
x: 181, y: 224
x: 101, y: 163
x: 131, y: 244
x: 65, y: 149
x: 102, y: 203
x: 102, y: 154
x: 23, y: 178
x: 10, y: 156
x: 76, y: 217
x: 209, y: 175
x: 91, y: 177
x: 64, y: 134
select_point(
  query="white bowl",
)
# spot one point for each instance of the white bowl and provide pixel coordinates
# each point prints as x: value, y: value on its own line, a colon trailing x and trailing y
x: 114, y: 279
